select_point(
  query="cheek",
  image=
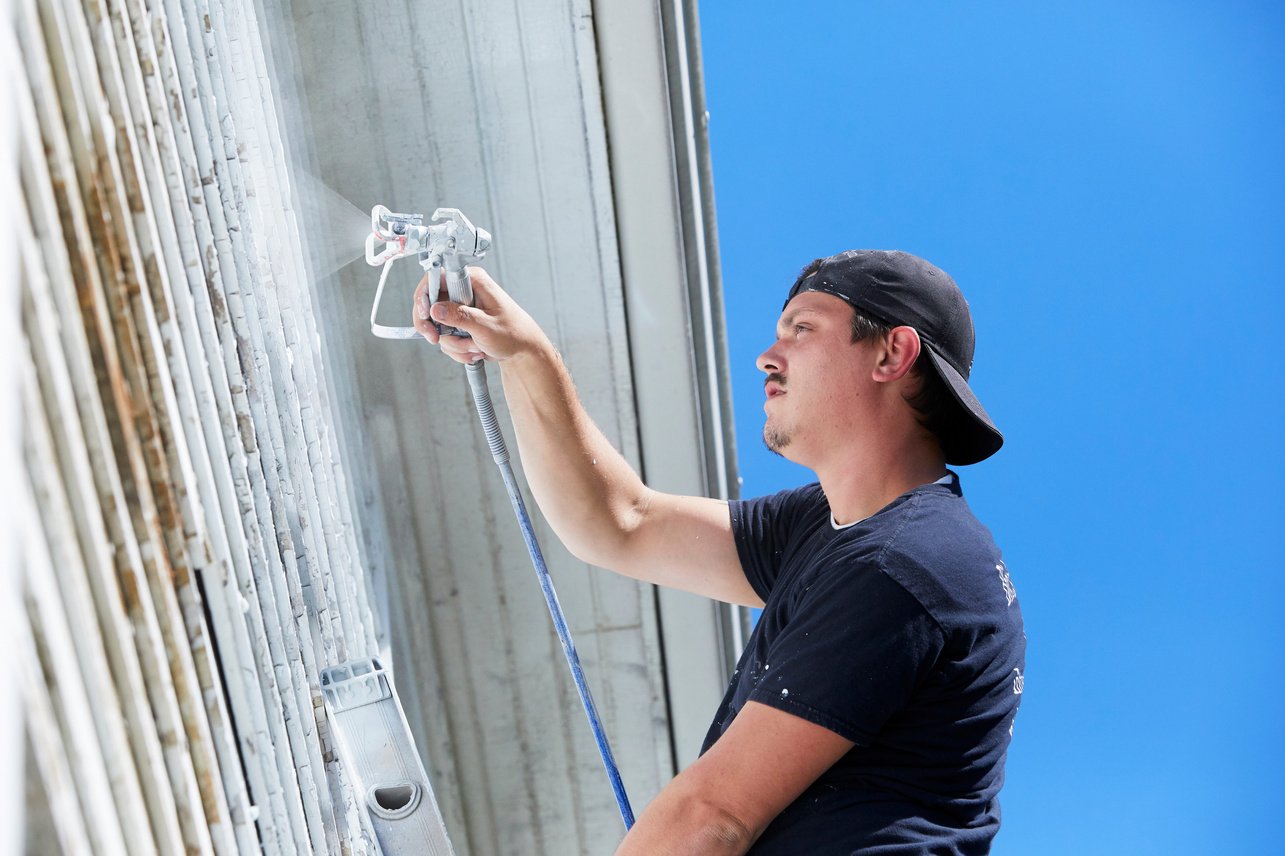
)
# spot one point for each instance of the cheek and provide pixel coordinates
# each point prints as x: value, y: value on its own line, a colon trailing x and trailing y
x: 843, y: 393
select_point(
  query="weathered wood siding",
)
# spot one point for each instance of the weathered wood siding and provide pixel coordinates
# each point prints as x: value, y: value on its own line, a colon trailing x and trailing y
x: 189, y: 551
x: 224, y: 484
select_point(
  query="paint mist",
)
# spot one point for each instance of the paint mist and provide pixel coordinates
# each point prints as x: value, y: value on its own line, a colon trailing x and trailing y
x: 335, y: 229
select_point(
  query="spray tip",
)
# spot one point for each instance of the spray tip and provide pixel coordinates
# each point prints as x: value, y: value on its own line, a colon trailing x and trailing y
x: 387, y: 226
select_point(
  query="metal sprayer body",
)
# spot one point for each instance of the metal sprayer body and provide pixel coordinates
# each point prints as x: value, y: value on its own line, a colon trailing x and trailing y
x: 447, y: 245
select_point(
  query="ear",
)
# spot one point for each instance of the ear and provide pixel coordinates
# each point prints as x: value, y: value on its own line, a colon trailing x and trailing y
x: 897, y: 355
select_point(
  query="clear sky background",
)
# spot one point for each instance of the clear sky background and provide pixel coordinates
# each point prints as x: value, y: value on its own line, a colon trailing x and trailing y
x: 1106, y: 182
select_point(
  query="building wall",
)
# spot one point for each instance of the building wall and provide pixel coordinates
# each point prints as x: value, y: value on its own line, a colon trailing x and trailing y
x: 231, y: 485
x: 189, y: 556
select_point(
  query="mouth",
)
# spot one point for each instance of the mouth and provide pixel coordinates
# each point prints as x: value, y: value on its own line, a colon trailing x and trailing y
x: 774, y: 386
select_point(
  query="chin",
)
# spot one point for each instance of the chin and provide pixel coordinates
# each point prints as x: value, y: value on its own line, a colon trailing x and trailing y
x: 776, y: 441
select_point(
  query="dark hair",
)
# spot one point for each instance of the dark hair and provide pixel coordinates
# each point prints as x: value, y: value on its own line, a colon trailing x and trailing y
x: 934, y: 407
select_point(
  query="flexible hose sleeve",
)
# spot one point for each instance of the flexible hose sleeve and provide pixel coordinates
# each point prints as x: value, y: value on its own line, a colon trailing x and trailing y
x: 486, y: 412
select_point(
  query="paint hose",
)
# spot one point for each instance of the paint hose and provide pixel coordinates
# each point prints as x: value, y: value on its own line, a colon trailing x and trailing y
x: 500, y: 453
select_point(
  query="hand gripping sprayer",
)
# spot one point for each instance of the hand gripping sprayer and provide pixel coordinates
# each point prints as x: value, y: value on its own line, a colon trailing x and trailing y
x: 448, y: 244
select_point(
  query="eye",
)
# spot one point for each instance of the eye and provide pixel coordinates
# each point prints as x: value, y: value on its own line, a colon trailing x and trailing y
x: 801, y: 328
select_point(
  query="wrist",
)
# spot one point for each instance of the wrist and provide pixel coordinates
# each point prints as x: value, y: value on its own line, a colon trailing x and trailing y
x: 537, y: 351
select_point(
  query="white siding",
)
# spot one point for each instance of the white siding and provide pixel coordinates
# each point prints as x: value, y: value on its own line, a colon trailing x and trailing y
x: 224, y: 484
x: 14, y: 503
x: 191, y: 559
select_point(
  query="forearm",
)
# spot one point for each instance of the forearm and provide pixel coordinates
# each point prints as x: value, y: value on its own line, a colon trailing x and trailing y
x: 683, y: 822
x: 586, y: 489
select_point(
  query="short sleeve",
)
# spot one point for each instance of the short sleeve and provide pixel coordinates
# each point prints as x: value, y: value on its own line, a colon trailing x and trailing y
x: 764, y: 527
x: 853, y: 654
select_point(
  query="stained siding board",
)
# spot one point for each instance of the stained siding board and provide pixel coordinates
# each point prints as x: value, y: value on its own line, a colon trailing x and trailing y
x: 116, y: 536
x: 171, y: 498
x: 257, y: 557
x: 55, y: 474
x: 151, y: 451
x: 229, y: 485
x: 16, y: 504
x: 68, y: 669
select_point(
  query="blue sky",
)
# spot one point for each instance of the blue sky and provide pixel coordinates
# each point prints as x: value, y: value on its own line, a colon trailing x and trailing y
x: 1107, y: 184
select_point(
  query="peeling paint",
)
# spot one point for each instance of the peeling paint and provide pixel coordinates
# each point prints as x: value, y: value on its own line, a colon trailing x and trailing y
x: 184, y: 438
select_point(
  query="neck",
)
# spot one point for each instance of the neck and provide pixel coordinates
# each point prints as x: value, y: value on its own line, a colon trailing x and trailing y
x: 861, y: 485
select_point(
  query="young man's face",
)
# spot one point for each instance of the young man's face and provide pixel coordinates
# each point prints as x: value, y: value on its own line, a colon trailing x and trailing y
x: 818, y: 379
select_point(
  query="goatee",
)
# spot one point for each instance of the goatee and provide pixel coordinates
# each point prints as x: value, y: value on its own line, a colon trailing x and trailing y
x: 775, y: 440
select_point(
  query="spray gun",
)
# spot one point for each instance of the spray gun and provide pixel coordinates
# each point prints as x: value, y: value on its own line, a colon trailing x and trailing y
x: 449, y: 244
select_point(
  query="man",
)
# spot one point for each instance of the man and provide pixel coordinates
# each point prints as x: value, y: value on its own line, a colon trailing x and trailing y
x: 872, y: 708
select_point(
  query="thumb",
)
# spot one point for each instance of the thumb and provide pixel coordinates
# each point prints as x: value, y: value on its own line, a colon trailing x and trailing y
x: 455, y: 315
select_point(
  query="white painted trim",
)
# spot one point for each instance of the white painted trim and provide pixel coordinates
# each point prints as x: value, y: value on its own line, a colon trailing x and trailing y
x: 668, y: 289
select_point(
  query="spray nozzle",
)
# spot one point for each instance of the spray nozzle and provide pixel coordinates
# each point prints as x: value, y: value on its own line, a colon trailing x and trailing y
x: 447, y: 245
x: 401, y: 234
x: 388, y: 225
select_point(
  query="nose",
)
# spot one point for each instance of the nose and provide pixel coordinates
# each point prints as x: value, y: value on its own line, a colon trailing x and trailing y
x: 770, y: 360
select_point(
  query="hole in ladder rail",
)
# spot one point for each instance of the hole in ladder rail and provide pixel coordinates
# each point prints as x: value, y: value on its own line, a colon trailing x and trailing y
x: 394, y: 801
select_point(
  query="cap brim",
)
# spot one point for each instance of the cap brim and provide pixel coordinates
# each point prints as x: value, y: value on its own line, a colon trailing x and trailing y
x: 973, y: 436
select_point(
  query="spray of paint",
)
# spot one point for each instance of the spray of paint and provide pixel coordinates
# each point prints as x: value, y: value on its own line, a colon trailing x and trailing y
x: 334, y: 229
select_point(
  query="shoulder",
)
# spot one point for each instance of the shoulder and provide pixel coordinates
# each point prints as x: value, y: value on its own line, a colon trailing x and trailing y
x: 794, y: 498
x: 940, y: 553
x: 780, y: 516
x: 938, y: 526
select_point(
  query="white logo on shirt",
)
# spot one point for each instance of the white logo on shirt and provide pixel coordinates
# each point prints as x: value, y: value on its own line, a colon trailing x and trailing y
x: 1010, y: 593
x: 1019, y: 684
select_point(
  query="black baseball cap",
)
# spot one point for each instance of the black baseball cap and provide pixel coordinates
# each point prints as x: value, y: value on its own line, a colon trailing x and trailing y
x: 897, y: 288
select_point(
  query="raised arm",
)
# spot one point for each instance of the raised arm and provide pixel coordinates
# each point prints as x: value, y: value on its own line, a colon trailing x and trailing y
x: 594, y: 500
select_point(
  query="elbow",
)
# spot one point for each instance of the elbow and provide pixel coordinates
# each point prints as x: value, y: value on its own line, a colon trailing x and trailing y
x: 687, y: 825
x: 714, y: 828
x: 724, y: 832
x: 611, y: 540
x: 690, y: 817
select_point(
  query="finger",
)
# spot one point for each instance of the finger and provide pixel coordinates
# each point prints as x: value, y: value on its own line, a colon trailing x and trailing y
x: 462, y: 354
x: 423, y: 323
x: 419, y: 312
x: 462, y: 359
x: 455, y: 342
x: 458, y: 345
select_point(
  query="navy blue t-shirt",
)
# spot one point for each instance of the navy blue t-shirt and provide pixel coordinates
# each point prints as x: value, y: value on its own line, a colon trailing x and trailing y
x: 901, y: 633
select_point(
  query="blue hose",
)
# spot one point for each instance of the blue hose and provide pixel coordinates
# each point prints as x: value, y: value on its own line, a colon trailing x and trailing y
x: 495, y: 439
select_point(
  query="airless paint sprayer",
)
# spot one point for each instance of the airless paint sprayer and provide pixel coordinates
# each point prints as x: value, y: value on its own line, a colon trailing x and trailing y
x: 445, y: 247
